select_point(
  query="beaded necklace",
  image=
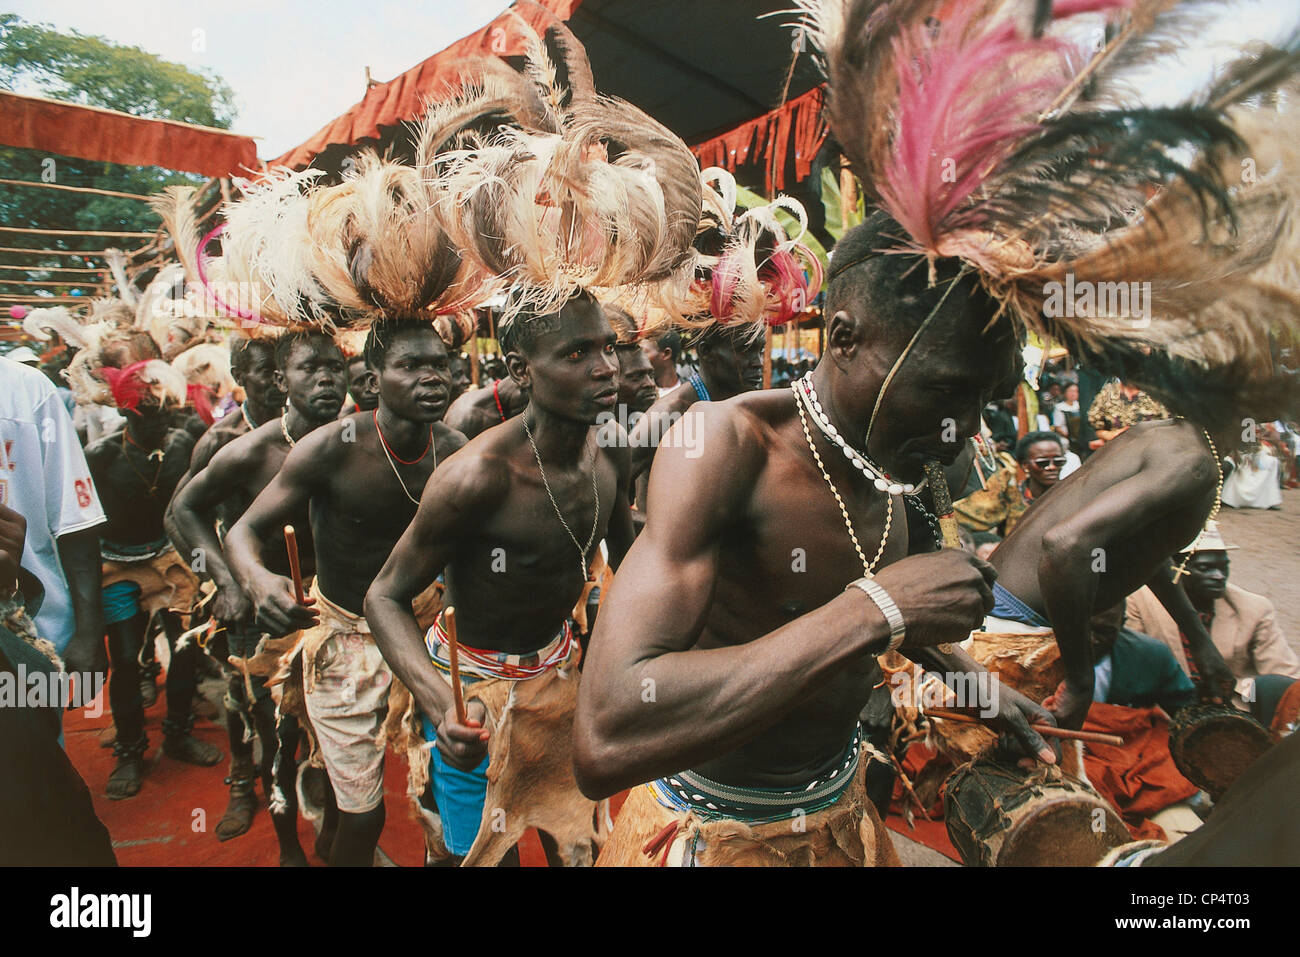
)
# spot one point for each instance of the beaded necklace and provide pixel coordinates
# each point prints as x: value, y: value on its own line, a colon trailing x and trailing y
x: 868, y: 568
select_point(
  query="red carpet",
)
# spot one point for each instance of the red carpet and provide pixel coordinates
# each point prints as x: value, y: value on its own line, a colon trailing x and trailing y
x: 172, y: 820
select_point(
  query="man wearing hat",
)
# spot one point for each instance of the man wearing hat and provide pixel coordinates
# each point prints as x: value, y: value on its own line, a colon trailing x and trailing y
x: 1241, y: 624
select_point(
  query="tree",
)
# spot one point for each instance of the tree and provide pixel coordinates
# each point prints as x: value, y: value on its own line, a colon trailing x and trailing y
x: 92, y: 71
x: 97, y: 72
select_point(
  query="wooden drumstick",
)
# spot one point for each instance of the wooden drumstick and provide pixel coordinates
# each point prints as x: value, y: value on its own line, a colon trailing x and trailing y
x: 453, y: 655
x: 942, y: 498
x: 295, y: 569
x: 1047, y: 730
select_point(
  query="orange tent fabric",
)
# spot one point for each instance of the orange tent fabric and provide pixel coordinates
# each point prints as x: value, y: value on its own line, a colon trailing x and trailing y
x: 89, y: 132
x: 404, y: 98
x: 769, y: 136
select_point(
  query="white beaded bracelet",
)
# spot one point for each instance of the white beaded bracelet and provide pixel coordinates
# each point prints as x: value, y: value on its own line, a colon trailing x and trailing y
x: 893, y: 617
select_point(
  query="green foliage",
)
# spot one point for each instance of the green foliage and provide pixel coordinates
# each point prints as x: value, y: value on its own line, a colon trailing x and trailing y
x: 95, y: 72
x: 831, y: 203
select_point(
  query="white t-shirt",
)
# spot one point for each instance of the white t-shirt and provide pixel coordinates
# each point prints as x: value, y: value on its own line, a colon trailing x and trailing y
x: 1062, y: 410
x: 663, y: 390
x: 44, y: 477
x: 1072, y: 464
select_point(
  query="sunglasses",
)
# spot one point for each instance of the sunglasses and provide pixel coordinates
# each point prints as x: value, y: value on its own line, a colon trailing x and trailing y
x: 1044, y: 463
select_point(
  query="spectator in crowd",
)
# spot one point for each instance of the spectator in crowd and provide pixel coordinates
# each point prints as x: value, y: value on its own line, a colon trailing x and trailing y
x: 1135, y: 670
x: 46, y: 815
x: 1241, y: 624
x: 1255, y: 480
x: 1000, y: 418
x: 664, y: 352
x: 44, y: 477
x: 1008, y: 494
x: 1065, y: 416
x: 1119, y: 405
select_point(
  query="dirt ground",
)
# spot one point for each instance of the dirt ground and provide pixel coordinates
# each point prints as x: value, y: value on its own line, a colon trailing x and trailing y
x: 1268, y: 561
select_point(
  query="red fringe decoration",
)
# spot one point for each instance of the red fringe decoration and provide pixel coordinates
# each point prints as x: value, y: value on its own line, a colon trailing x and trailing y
x: 769, y: 136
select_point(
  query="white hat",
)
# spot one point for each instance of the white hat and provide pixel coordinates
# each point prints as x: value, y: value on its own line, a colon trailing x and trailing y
x: 1210, y: 540
x: 24, y: 354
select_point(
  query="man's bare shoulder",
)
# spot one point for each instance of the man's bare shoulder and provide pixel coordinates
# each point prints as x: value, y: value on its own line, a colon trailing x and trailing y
x: 478, y: 474
x: 448, y: 440
x: 216, y: 438
x: 677, y: 401
x: 736, y: 433
x: 1175, y: 447
x: 330, y: 444
x: 105, y: 450
x: 470, y: 410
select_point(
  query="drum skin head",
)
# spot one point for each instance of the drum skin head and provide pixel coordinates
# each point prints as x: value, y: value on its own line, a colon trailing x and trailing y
x: 1070, y: 831
x: 999, y: 816
x: 1212, y: 745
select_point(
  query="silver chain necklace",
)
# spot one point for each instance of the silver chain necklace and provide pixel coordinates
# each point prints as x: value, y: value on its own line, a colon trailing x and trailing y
x: 595, y: 518
x: 433, y: 446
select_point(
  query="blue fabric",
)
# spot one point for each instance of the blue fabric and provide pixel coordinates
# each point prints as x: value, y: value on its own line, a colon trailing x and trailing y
x: 1008, y: 606
x: 458, y: 794
x: 121, y: 602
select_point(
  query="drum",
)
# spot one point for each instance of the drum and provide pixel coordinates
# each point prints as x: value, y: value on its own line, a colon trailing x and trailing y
x: 1001, y: 816
x: 1212, y: 744
x: 1286, y: 719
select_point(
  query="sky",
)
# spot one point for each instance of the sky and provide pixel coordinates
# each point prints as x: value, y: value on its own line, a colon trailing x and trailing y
x: 294, y: 66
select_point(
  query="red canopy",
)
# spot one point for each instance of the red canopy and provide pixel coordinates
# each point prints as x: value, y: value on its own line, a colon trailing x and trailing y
x: 89, y: 132
x: 405, y: 98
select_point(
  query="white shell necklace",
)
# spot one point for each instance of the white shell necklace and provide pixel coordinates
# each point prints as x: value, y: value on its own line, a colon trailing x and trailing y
x: 880, y: 478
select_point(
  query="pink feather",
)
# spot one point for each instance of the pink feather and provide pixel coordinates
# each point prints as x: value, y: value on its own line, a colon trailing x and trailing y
x: 965, y: 97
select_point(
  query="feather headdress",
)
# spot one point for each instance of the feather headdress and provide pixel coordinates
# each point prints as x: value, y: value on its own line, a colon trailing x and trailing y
x: 179, y: 313
x: 339, y: 257
x: 107, y: 350
x: 116, y: 260
x: 39, y: 323
x: 152, y: 379
x: 749, y: 271
x: 569, y: 189
x: 969, y: 125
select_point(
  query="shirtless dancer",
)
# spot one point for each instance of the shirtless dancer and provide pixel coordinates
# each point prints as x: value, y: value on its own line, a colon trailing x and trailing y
x: 731, y: 362
x: 362, y: 478
x: 252, y: 366
x: 514, y: 520
x: 135, y: 471
x: 311, y: 372
x: 477, y: 410
x: 744, y: 652
x: 1106, y: 531
x: 637, y: 391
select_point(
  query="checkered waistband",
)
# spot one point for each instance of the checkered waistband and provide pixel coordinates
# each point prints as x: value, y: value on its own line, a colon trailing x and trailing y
x: 710, y: 799
x: 485, y: 663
